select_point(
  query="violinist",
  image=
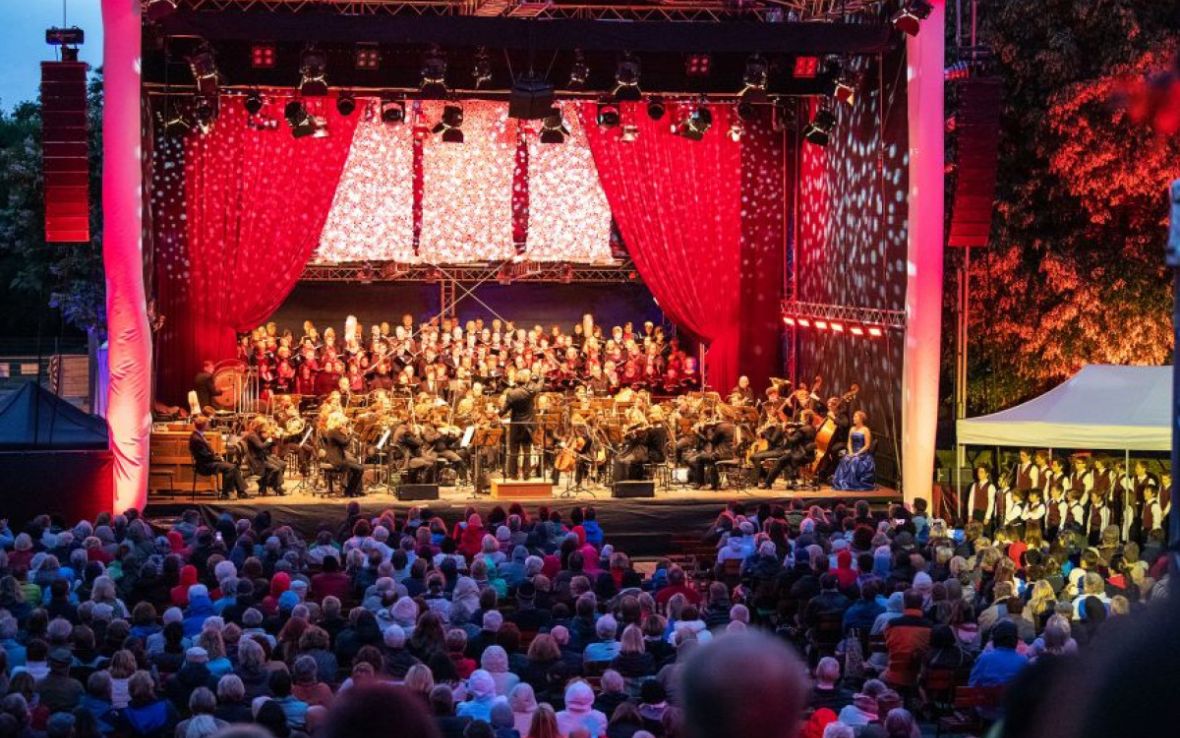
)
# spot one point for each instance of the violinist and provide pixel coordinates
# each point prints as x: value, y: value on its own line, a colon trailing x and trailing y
x: 633, y: 453
x: 337, y: 438
x: 798, y: 449
x: 260, y: 457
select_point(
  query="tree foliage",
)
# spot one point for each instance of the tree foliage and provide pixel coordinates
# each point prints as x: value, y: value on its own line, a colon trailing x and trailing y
x: 1075, y: 272
x: 65, y: 277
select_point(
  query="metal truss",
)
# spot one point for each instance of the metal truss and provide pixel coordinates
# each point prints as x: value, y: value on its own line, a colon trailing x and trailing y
x: 505, y: 272
x: 894, y: 319
x: 773, y: 11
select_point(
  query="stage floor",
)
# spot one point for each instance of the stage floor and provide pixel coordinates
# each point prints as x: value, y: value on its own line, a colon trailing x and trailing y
x: 639, y: 526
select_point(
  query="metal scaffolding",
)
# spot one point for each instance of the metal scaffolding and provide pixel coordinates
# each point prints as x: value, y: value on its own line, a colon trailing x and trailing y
x: 894, y: 319
x: 774, y: 11
x: 506, y: 272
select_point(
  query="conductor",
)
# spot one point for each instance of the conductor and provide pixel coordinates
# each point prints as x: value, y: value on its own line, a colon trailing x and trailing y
x: 518, y: 406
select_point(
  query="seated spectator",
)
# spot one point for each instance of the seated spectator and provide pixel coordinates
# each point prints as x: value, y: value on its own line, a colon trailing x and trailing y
x: 865, y: 704
x: 612, y: 692
x: 481, y: 691
x: 58, y: 691
x: 503, y: 721
x: 633, y: 661
x: 1000, y: 664
x: 201, y: 706
x: 606, y: 647
x: 146, y: 715
x: 232, y: 705
x: 523, y: 702
x: 307, y: 687
x: 907, y: 639
x: 495, y: 662
x: 579, y: 712
x: 827, y: 692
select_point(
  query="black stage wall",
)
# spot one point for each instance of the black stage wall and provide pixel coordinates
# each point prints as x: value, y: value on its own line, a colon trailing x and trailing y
x: 528, y: 304
x: 851, y: 228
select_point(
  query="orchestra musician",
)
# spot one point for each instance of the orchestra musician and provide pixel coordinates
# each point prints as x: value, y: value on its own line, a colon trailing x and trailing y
x: 209, y: 463
x: 633, y: 453
x: 742, y: 394
x: 260, y: 441
x: 798, y: 449
x: 577, y: 450
x: 518, y: 405
x: 773, y: 448
x: 203, y: 385
x: 714, y: 443
x: 982, y: 495
x: 336, y: 441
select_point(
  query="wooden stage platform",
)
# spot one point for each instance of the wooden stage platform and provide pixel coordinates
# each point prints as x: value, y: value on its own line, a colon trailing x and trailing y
x: 643, y: 526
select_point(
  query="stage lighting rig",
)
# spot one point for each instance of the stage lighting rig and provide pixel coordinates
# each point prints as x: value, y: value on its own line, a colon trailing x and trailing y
x: 451, y: 124
x: 656, y: 107
x: 313, y: 66
x: 204, y: 68
x: 909, y: 18
x: 482, y: 72
x: 755, y: 78
x: 579, y: 71
x: 626, y: 87
x: 819, y: 130
x: 253, y: 103
x: 367, y: 57
x: 844, y: 88
x: 345, y: 104
x: 608, y: 115
x: 434, y: 76
x: 630, y: 133
x: 302, y: 122
x: 175, y: 123
x: 553, y: 130
x: 698, y: 65
x: 262, y: 55
x: 393, y: 111
x: 746, y: 110
x: 736, y: 130
x: 695, y: 124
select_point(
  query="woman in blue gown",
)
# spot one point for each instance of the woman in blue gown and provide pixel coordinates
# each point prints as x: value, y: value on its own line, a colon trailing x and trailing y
x: 857, y: 471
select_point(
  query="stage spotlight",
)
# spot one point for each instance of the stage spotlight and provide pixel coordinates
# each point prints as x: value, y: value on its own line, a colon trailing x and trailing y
x: 204, y: 69
x: 630, y: 133
x: 205, y: 113
x: 302, y: 122
x: 451, y: 124
x: 579, y: 71
x: 313, y: 65
x: 819, y: 130
x: 656, y: 108
x: 755, y: 78
x: 434, y: 76
x: 608, y: 115
x: 803, y: 323
x: 909, y: 19
x: 158, y: 10
x: 694, y: 125
x: 875, y: 332
x: 746, y: 110
x: 262, y: 56
x: 806, y: 67
x: 698, y: 65
x: 626, y: 87
x: 553, y: 130
x: 393, y: 111
x: 175, y: 123
x: 482, y: 73
x: 856, y: 330
x: 367, y: 57
x: 736, y: 129
x: 253, y: 103
x: 345, y: 104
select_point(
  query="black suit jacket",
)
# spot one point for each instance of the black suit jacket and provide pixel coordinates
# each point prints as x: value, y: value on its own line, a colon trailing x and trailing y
x: 203, y: 455
x: 259, y: 450
x: 336, y: 447
x: 518, y: 402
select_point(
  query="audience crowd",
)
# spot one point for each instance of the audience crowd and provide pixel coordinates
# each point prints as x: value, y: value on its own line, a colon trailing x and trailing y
x: 529, y: 624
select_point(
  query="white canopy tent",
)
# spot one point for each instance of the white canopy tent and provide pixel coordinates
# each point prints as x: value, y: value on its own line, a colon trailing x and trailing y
x: 1128, y: 408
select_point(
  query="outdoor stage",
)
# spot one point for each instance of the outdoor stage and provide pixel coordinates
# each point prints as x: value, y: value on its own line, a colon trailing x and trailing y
x: 641, y: 527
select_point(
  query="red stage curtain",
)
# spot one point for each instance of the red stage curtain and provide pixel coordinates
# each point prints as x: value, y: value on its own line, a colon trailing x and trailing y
x: 695, y: 234
x: 254, y: 203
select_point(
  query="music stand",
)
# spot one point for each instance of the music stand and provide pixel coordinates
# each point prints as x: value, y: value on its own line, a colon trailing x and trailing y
x: 303, y: 472
x: 481, y: 439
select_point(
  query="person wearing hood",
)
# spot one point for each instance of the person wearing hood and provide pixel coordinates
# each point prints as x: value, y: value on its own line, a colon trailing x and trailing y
x: 464, y: 600
x: 733, y: 550
x: 188, y: 577
x: 199, y: 608
x: 689, y: 624
x: 523, y: 701
x: 579, y: 712
x: 481, y: 688
x: 512, y: 571
x: 404, y: 614
x: 845, y: 574
x: 495, y: 662
x: 863, y: 709
x: 862, y: 614
x: 471, y: 537
x: 893, y: 610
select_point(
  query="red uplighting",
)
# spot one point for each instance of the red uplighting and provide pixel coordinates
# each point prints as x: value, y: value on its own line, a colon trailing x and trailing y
x: 856, y: 330
x: 804, y: 322
x: 697, y: 65
x: 806, y: 67
x: 262, y: 56
x: 821, y: 324
x: 875, y: 332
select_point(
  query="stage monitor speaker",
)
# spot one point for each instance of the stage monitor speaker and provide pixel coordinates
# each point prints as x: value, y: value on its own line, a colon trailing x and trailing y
x: 641, y: 488
x: 530, y: 99
x: 407, y: 492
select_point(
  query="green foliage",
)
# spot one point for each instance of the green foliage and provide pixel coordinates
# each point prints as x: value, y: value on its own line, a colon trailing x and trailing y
x: 1075, y: 273
x: 36, y: 275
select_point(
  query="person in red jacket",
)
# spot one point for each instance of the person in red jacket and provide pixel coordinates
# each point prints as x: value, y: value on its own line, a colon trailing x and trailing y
x: 471, y: 539
x: 677, y: 585
x: 907, y: 639
x: 188, y: 577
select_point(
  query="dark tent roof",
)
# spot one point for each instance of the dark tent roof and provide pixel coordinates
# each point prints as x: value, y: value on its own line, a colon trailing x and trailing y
x: 35, y: 418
